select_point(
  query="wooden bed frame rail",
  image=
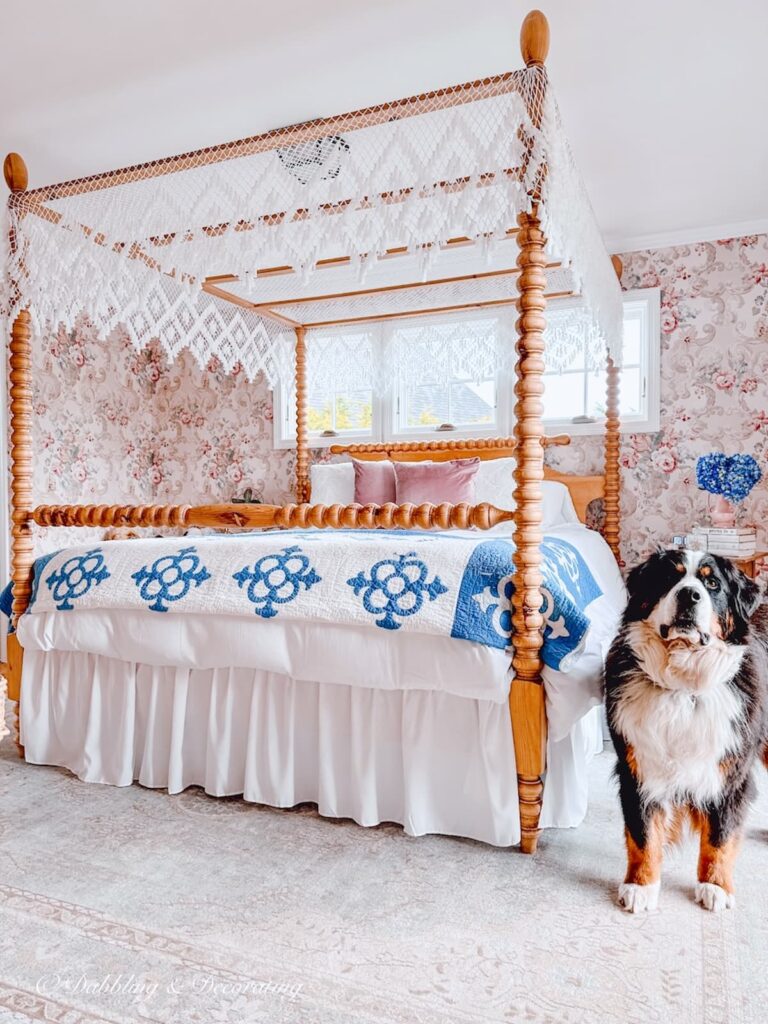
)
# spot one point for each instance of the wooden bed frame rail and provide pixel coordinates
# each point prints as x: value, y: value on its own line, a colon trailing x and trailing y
x: 526, y: 698
x: 439, y: 451
x: 284, y: 517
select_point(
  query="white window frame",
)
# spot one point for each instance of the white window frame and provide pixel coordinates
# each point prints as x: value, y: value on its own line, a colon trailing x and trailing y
x: 503, y: 405
x: 384, y: 410
x: 284, y: 425
x: 648, y: 302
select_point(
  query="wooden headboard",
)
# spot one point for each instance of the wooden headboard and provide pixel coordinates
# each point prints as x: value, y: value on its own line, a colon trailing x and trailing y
x: 583, y: 489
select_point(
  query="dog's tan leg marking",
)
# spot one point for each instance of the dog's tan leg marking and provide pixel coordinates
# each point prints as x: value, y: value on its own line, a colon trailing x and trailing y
x: 715, y: 888
x: 644, y: 863
x: 640, y: 890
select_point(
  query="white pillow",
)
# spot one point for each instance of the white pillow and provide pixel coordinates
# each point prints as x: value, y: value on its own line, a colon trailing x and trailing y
x: 333, y: 483
x: 558, y: 505
x: 494, y: 484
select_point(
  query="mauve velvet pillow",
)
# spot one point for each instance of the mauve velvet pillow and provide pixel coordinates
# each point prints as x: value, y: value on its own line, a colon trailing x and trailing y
x: 374, y: 482
x: 434, y: 482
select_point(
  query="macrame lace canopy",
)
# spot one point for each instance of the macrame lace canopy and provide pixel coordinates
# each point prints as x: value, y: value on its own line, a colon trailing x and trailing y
x: 396, y: 210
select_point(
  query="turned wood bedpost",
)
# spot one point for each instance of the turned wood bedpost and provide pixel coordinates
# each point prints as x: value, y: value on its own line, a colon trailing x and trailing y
x: 20, y: 378
x: 21, y: 461
x: 612, y: 496
x: 526, y: 695
x: 302, y: 450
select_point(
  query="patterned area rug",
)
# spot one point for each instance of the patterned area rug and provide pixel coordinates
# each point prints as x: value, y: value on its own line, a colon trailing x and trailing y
x: 126, y: 905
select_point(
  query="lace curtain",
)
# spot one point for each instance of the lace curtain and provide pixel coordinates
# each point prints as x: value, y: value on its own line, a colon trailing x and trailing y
x: 570, y: 332
x: 436, y: 351
x: 344, y: 360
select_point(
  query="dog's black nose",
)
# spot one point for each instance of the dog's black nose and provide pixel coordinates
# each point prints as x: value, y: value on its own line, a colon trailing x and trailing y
x: 687, y: 597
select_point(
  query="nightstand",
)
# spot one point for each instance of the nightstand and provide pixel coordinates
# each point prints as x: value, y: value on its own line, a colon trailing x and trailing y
x: 747, y: 565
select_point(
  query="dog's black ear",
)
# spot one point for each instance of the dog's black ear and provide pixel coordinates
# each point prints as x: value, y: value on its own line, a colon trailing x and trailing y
x: 745, y: 593
x: 748, y: 594
x: 745, y: 596
x: 645, y: 584
x: 636, y: 577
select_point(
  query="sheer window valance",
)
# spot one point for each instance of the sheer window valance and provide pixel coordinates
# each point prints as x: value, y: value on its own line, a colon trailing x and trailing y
x: 437, y: 351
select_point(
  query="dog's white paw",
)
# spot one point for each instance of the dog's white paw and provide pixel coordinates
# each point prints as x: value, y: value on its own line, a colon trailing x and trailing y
x: 714, y: 897
x: 639, y: 898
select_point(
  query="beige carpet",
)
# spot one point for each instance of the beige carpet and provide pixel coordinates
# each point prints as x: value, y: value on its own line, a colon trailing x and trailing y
x: 129, y: 905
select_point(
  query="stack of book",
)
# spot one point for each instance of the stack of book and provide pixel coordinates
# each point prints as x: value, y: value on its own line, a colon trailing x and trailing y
x: 733, y: 542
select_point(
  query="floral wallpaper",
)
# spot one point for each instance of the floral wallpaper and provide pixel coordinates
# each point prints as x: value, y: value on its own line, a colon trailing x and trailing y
x: 115, y: 426
x: 714, y: 388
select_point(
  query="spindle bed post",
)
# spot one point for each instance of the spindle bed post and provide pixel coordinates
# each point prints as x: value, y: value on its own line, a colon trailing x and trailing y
x: 20, y: 378
x: 302, y: 438
x: 612, y: 496
x: 526, y: 695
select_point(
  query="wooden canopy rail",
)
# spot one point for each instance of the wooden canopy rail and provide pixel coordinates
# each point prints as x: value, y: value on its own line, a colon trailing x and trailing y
x: 276, y: 308
x: 432, y: 311
x: 526, y: 698
x: 382, y: 289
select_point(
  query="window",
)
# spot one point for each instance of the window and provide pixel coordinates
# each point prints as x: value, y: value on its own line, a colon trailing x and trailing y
x: 340, y: 412
x: 341, y: 405
x: 446, y: 375
x: 574, y: 397
x: 471, y: 394
x: 460, y: 403
x: 331, y: 416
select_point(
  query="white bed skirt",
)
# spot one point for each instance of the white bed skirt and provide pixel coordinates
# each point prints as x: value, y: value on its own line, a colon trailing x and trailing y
x: 431, y: 761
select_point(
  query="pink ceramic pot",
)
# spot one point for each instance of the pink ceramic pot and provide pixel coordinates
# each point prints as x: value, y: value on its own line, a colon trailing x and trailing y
x: 721, y: 511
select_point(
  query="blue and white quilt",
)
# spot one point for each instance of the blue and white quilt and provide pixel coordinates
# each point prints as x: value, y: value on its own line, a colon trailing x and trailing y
x: 445, y: 584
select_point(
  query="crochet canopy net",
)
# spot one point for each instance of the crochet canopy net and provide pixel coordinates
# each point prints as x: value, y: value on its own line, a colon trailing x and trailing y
x: 135, y: 247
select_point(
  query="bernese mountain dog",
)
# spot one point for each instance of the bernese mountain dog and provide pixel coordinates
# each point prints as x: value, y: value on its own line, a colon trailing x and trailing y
x: 686, y: 684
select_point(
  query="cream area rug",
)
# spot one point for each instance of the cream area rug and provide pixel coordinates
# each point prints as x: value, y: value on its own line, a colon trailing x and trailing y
x: 127, y: 905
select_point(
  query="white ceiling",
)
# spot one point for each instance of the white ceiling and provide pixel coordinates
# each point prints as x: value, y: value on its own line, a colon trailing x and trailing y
x: 664, y: 100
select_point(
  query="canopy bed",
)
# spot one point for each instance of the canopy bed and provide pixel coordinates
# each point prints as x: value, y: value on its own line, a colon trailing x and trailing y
x: 234, y: 251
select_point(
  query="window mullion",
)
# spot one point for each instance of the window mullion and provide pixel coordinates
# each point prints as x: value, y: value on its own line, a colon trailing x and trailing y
x: 386, y: 396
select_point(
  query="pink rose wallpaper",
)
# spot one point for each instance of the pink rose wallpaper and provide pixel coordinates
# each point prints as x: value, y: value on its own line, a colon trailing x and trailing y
x: 113, y: 425
x: 714, y: 388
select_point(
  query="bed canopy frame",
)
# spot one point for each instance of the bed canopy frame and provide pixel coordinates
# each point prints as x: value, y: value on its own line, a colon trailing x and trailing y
x: 157, y: 286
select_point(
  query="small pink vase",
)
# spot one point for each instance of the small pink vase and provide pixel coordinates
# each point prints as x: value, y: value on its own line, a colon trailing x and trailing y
x: 721, y: 511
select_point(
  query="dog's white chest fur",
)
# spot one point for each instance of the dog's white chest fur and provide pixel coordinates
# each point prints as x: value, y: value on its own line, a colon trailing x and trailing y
x: 679, y: 736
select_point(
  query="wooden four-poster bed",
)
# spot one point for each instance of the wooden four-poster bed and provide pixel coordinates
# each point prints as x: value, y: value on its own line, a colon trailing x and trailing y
x: 316, y: 308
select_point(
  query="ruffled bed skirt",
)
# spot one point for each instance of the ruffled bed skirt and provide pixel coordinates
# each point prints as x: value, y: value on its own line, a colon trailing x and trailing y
x: 431, y: 761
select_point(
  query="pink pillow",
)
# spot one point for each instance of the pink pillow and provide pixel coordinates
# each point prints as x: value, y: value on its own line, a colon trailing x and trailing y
x: 374, y: 482
x: 453, y: 481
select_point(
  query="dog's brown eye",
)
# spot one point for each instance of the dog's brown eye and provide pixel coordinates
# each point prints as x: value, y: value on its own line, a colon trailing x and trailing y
x: 711, y: 583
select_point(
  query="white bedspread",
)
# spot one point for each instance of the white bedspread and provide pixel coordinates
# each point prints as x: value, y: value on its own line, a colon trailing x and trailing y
x: 453, y: 584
